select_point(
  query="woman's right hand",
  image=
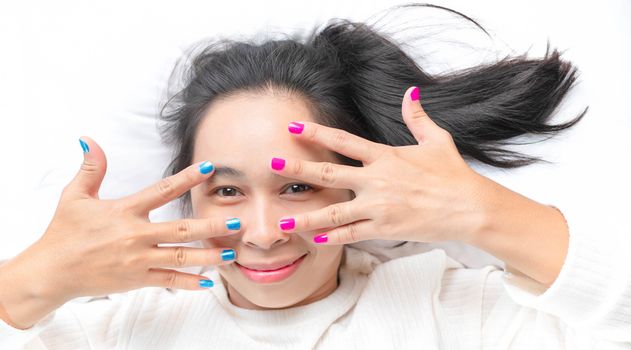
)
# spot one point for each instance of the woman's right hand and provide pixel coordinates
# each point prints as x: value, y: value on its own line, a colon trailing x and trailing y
x: 97, y: 247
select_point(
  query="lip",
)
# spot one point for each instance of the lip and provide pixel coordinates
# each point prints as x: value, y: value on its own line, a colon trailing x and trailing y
x: 266, y: 273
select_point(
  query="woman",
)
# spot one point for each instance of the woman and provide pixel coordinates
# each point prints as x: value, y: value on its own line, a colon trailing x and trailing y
x: 308, y: 151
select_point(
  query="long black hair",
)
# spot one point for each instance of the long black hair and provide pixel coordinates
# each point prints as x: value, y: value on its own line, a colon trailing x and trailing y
x: 353, y: 78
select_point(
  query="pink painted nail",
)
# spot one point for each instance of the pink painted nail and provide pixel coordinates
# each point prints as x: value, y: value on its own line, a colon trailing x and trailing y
x: 287, y: 224
x: 296, y: 127
x: 323, y: 238
x: 278, y: 163
x: 414, y: 95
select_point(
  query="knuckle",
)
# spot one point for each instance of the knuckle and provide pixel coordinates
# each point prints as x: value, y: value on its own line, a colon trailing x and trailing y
x: 119, y: 208
x: 419, y: 114
x: 165, y: 188
x: 378, y: 182
x: 183, y: 231
x: 130, y: 240
x: 445, y: 135
x: 132, y: 261
x: 327, y: 173
x: 89, y: 167
x: 306, y: 221
x: 335, y: 213
x: 380, y: 204
x: 171, y: 279
x: 350, y: 233
x: 179, y: 257
x: 340, y: 139
x: 298, y: 167
x: 381, y: 209
x: 213, y: 227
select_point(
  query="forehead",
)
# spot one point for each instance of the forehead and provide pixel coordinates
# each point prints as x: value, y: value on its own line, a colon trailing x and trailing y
x: 246, y: 130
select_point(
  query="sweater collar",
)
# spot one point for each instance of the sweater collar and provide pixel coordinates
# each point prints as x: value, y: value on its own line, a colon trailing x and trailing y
x: 353, y: 274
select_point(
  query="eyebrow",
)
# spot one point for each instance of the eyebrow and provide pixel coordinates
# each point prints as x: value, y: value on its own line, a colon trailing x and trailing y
x: 226, y: 171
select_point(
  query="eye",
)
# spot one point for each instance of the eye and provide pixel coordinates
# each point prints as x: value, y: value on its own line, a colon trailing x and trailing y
x: 297, y: 188
x: 227, y: 192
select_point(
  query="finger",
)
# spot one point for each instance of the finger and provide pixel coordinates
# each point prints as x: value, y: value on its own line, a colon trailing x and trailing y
x: 337, y: 140
x: 350, y: 233
x: 414, y: 116
x: 185, y: 256
x: 318, y: 173
x: 170, y: 187
x: 189, y: 230
x: 90, y: 176
x: 167, y: 278
x: 331, y: 216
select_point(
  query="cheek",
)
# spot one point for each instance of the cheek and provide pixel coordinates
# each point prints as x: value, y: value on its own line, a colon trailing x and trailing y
x: 325, y: 252
x: 325, y: 262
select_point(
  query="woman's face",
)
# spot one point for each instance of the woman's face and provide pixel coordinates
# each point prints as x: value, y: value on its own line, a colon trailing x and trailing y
x: 240, y: 135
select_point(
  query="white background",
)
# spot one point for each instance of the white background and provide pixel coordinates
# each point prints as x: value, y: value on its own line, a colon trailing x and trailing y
x: 85, y: 68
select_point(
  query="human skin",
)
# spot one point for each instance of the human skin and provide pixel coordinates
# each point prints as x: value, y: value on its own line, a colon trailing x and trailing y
x: 241, y: 132
x: 97, y: 247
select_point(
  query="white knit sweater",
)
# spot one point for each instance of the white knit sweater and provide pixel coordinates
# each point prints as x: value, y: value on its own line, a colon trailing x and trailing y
x: 426, y: 301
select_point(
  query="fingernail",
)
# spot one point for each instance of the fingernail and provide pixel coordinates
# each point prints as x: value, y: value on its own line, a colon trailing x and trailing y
x: 228, y: 254
x: 296, y: 127
x: 206, y: 283
x: 287, y: 224
x: 415, y: 95
x: 206, y: 167
x: 323, y: 238
x: 84, y: 146
x: 233, y: 224
x: 278, y: 163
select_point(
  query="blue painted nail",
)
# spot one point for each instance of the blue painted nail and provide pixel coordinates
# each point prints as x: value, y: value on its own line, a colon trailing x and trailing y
x: 206, y: 283
x: 84, y: 146
x: 233, y: 224
x: 228, y: 254
x: 206, y: 167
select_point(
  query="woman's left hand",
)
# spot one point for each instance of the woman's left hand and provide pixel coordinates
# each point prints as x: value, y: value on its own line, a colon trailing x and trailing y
x: 424, y: 192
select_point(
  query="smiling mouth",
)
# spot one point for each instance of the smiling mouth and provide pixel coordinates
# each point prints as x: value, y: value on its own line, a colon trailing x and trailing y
x: 271, y: 275
x: 268, y: 268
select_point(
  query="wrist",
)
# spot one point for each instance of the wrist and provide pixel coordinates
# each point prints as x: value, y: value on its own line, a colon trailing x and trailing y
x: 525, y: 234
x: 481, y: 219
x: 26, y: 296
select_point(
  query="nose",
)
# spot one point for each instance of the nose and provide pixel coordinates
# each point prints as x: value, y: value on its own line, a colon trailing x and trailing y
x: 261, y: 230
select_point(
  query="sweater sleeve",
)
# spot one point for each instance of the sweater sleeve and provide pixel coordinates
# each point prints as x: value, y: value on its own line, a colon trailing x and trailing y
x: 78, y: 324
x: 591, y: 297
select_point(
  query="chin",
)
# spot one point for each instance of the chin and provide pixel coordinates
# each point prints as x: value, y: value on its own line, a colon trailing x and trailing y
x: 269, y: 296
x: 305, y: 284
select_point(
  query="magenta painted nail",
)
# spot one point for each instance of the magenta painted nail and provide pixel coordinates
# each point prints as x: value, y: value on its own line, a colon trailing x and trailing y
x: 296, y: 127
x: 287, y: 224
x: 415, y: 95
x: 278, y: 163
x: 323, y: 238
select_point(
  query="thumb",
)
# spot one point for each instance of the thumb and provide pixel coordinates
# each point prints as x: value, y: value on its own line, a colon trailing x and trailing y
x: 90, y: 176
x: 414, y: 116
